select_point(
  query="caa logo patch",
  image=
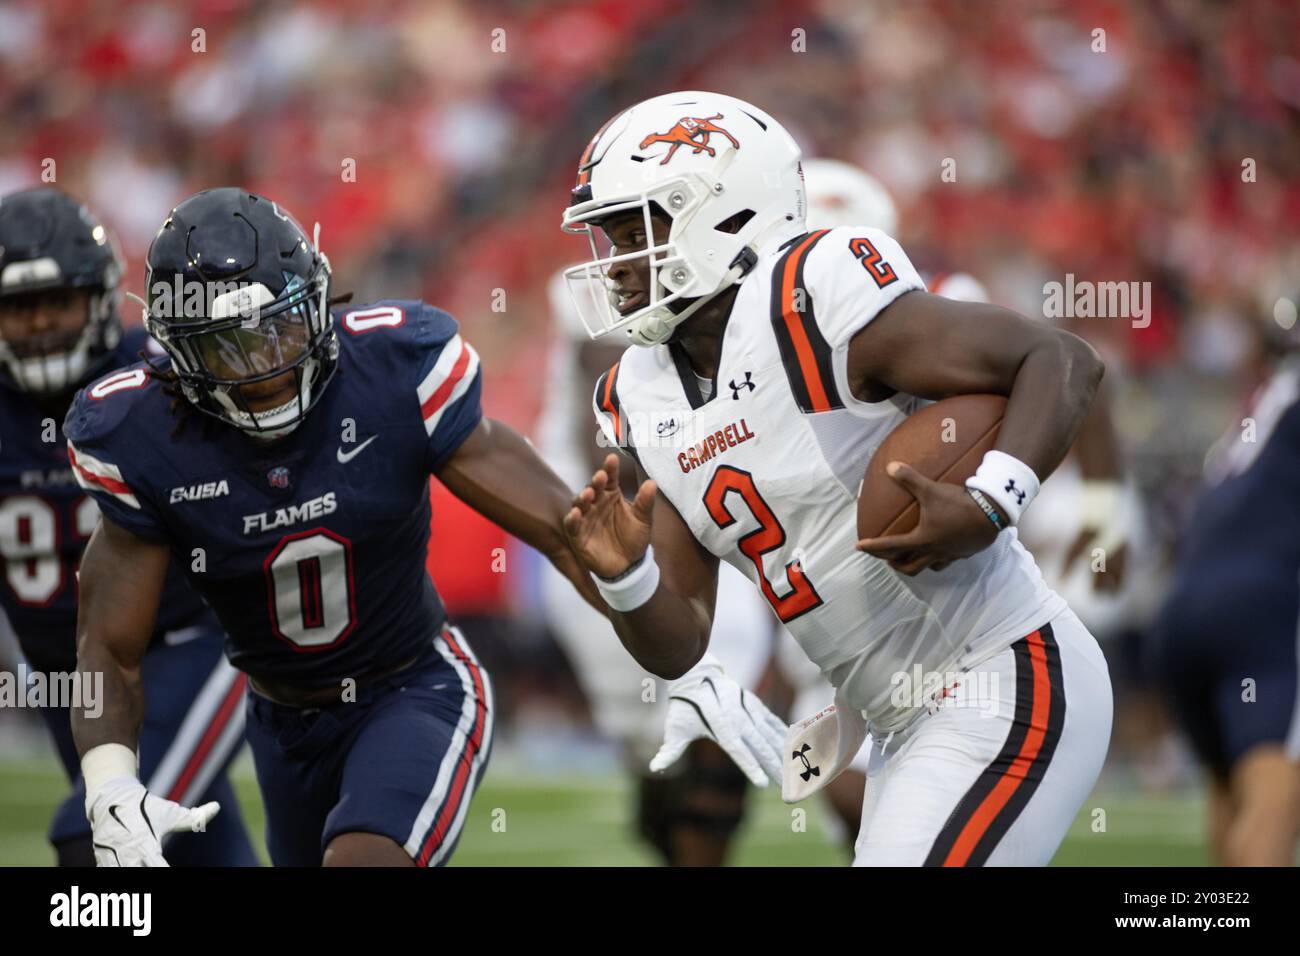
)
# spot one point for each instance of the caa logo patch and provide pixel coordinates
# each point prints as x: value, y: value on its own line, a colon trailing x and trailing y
x: 210, y: 489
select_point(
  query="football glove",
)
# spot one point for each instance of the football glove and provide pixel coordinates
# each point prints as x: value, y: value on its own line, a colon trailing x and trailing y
x: 706, y: 703
x: 127, y: 821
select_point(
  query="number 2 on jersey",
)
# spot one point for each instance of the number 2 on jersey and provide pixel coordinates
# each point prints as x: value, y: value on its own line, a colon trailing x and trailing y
x: 872, y: 261
x: 768, y: 537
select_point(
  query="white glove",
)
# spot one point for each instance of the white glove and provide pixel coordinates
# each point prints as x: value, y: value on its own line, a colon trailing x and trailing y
x: 127, y: 821
x: 1107, y: 508
x: 707, y: 703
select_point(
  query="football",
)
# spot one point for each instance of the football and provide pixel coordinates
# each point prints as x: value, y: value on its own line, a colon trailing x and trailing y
x: 944, y: 441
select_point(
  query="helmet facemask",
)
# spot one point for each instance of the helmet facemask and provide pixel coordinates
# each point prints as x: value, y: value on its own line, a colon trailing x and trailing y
x: 52, y: 362
x: 250, y: 338
x: 678, y: 284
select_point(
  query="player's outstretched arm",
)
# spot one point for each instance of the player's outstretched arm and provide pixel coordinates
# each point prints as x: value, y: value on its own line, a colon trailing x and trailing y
x: 120, y: 583
x: 934, y: 347
x: 121, y: 580
x: 651, y: 566
x: 501, y: 476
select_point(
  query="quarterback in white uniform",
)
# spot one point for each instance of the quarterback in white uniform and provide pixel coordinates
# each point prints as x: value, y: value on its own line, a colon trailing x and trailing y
x: 767, y: 363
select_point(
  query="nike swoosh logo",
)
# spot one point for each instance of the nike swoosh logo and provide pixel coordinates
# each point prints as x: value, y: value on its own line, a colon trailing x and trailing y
x: 346, y: 456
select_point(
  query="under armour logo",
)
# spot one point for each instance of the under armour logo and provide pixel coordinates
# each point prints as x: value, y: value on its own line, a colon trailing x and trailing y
x: 735, y: 389
x: 1011, y: 487
x: 808, y: 770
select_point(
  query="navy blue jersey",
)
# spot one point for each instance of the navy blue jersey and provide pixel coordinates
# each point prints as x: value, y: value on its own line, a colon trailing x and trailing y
x: 1232, y: 609
x: 1239, y: 568
x: 45, y: 520
x: 310, y: 548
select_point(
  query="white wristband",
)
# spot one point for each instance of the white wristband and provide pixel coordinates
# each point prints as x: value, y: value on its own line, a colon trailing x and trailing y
x: 634, y: 587
x: 106, y: 762
x: 1007, y: 481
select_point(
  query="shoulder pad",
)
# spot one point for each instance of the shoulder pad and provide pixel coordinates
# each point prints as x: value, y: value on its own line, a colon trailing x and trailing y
x: 394, y: 323
x: 98, y: 409
x: 826, y: 286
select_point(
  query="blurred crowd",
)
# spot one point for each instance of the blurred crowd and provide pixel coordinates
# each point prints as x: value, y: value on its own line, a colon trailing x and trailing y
x: 435, y: 143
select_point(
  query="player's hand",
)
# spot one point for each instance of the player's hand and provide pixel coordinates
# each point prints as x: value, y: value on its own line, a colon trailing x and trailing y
x: 951, y: 526
x: 706, y: 703
x: 608, y: 532
x: 1107, y: 507
x: 1108, y: 581
x: 127, y: 822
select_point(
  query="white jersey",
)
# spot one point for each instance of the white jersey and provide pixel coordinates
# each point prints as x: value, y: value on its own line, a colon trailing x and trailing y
x: 766, y: 474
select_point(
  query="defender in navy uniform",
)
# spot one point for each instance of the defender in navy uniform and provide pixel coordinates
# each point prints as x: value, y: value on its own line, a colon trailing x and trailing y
x: 59, y: 328
x: 297, y: 501
x: 1225, y: 640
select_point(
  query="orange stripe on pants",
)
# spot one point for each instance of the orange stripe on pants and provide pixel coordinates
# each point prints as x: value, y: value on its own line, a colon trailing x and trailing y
x: 1014, y: 775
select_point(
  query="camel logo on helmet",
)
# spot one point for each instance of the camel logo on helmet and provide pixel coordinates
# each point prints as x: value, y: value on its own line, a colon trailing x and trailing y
x: 692, y: 131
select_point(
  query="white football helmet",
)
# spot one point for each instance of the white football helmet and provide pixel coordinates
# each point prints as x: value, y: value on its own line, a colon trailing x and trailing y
x: 841, y: 194
x: 705, y: 160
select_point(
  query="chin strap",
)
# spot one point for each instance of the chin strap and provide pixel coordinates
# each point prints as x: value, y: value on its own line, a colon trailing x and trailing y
x: 741, y: 266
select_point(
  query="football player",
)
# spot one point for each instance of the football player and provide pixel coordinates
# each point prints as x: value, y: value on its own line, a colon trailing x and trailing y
x: 281, y: 455
x: 787, y: 356
x: 690, y: 812
x: 1225, y: 639
x: 1088, y: 503
x: 59, y: 328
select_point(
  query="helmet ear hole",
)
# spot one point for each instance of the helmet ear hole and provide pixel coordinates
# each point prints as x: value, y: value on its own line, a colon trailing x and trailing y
x: 733, y: 224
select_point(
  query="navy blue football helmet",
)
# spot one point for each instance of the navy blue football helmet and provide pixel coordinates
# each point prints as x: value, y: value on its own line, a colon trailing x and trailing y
x: 238, y: 297
x: 50, y: 244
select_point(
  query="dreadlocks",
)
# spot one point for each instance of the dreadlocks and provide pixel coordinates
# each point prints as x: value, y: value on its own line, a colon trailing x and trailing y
x: 180, y: 407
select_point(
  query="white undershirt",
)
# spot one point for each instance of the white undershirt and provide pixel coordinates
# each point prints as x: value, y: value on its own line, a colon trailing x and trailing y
x: 706, y: 387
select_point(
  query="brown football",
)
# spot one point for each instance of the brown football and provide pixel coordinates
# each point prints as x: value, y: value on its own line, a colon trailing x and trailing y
x: 945, y: 442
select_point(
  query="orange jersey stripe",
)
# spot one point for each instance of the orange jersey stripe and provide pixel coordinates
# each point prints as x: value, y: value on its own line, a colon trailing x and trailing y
x: 607, y: 400
x: 794, y: 325
x: 992, y: 805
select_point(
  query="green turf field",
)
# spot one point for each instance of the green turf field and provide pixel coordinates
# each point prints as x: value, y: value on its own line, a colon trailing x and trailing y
x: 519, y: 819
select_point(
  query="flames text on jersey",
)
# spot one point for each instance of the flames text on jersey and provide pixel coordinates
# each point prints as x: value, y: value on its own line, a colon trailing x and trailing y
x: 307, y: 511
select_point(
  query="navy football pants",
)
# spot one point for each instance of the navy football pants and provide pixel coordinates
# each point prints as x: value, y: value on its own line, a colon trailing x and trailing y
x: 402, y: 760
